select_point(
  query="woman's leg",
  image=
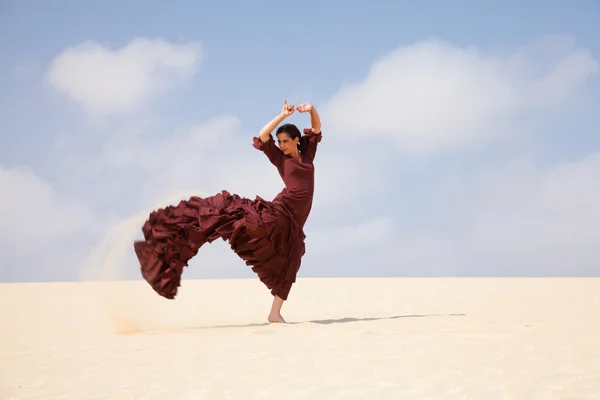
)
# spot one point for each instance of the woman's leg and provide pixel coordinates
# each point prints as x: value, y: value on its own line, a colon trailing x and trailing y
x: 275, y: 315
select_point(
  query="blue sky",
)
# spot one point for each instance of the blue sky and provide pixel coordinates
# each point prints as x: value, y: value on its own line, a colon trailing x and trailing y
x: 460, y: 138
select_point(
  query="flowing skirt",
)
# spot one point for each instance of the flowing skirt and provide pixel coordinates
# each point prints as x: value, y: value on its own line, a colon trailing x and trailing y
x: 260, y: 232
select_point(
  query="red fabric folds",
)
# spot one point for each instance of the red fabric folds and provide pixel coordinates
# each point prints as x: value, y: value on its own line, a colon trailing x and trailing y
x: 267, y: 235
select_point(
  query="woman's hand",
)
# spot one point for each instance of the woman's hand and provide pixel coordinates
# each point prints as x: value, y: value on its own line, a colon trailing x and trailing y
x: 305, y: 107
x: 288, y: 109
x: 315, y: 120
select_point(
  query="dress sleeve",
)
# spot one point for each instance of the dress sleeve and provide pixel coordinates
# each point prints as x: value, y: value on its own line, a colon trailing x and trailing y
x: 273, y: 152
x: 313, y: 140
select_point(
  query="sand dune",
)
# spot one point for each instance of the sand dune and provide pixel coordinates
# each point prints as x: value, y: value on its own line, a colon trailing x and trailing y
x: 348, y: 339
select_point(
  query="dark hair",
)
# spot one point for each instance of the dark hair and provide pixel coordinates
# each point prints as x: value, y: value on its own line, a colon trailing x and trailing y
x: 293, y: 132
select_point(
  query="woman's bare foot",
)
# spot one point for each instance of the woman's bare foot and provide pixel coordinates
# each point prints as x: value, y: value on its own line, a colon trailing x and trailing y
x: 276, y: 318
x: 275, y: 315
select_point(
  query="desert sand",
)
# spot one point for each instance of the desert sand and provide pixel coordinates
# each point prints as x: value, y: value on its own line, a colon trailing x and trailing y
x: 347, y: 339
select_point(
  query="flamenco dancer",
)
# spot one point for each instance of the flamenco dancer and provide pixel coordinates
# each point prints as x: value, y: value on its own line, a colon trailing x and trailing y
x: 267, y: 235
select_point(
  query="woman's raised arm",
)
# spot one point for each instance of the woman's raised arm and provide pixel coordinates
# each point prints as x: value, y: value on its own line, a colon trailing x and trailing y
x: 286, y: 111
x: 315, y: 120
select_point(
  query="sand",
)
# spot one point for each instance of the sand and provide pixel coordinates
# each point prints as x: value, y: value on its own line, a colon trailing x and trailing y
x: 348, y: 339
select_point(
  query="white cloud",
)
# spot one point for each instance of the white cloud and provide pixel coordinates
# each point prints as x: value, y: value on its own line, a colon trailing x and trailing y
x: 518, y: 220
x: 549, y: 220
x: 352, y: 237
x: 211, y: 156
x: 116, y: 81
x: 43, y: 233
x: 432, y: 95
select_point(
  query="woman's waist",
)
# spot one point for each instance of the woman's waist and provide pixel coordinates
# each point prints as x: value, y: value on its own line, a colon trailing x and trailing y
x: 298, y: 191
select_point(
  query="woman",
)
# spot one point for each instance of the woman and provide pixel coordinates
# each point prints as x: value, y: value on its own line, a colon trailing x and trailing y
x: 267, y: 235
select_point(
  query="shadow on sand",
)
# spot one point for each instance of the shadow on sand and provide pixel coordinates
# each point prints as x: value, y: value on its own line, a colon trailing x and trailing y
x: 318, y: 322
x: 346, y: 320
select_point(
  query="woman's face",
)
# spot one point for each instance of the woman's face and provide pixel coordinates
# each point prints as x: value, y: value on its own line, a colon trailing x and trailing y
x: 286, y: 144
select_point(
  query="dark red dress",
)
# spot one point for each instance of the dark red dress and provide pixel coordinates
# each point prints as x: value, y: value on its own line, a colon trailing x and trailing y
x: 267, y: 235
